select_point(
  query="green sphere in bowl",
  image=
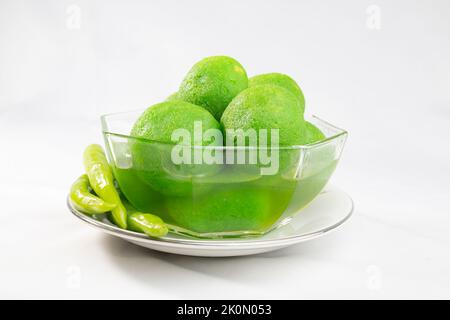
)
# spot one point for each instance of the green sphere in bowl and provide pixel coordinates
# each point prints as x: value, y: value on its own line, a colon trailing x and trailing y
x: 173, y: 97
x: 212, y: 83
x: 279, y: 79
x: 267, y: 107
x: 152, y: 150
x: 313, y: 133
x: 270, y: 107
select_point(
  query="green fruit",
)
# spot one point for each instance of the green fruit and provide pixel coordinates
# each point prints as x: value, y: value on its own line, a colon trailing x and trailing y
x: 173, y: 97
x: 314, y: 134
x: 267, y: 107
x: 152, y: 157
x: 158, y: 122
x: 281, y: 80
x: 212, y: 83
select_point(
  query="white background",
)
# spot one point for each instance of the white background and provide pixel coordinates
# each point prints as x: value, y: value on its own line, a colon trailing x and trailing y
x: 386, y: 80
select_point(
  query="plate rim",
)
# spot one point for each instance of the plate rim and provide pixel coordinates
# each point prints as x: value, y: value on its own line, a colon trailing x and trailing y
x: 210, y: 243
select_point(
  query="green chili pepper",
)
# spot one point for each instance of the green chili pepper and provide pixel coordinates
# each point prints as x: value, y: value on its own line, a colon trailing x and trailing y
x: 102, y: 181
x: 85, y: 201
x: 147, y: 223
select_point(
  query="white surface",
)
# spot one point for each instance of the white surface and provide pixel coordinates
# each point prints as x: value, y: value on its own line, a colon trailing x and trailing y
x: 329, y: 210
x: 388, y: 87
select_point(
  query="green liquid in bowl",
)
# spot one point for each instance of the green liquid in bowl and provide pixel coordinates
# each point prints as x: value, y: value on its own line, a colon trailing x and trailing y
x: 227, y: 204
x: 222, y: 200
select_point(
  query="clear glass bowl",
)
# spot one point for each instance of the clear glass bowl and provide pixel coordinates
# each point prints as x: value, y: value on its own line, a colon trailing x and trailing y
x: 219, y: 200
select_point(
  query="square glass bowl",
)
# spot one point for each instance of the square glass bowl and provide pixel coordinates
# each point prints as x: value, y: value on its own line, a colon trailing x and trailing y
x: 214, y: 200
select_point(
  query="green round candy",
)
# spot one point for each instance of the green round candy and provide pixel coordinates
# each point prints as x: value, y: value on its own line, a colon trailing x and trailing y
x: 173, y: 96
x: 152, y: 157
x: 158, y: 122
x: 281, y: 80
x: 212, y: 83
x: 313, y: 133
x: 289, y: 159
x: 267, y: 107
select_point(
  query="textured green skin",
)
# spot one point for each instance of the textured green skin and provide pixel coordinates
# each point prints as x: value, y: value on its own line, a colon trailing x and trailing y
x: 212, y: 83
x: 173, y: 97
x: 159, y: 121
x: 152, y: 160
x: 101, y: 180
x: 281, y: 80
x: 314, y: 134
x: 267, y: 107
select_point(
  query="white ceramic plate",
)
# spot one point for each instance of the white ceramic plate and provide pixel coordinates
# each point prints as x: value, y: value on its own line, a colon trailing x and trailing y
x: 331, y: 208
